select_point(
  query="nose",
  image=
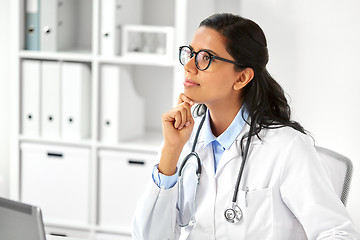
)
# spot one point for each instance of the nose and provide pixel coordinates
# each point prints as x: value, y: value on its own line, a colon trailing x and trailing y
x: 190, y: 66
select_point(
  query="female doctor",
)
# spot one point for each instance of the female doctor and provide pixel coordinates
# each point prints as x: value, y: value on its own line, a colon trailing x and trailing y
x: 259, y: 174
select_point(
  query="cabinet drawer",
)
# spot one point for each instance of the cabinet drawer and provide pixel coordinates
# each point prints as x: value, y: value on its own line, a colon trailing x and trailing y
x: 106, y: 236
x: 66, y: 233
x: 123, y: 178
x: 56, y: 179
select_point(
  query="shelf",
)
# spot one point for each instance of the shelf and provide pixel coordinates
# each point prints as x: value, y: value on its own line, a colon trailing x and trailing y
x: 118, y: 230
x: 78, y: 56
x: 84, y: 56
x: 149, y: 142
x: 151, y: 72
x: 81, y: 143
x: 155, y: 61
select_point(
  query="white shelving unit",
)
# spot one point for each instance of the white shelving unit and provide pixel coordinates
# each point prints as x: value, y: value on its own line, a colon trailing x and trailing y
x: 158, y: 82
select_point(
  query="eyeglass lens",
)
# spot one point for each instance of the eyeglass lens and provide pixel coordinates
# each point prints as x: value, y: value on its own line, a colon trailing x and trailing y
x: 202, y: 58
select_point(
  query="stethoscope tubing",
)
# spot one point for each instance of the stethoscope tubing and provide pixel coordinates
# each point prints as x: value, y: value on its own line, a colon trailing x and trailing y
x: 193, y: 152
x: 238, y: 180
x: 234, y: 209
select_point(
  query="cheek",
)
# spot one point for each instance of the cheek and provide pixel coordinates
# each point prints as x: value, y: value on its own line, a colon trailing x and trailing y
x: 222, y: 81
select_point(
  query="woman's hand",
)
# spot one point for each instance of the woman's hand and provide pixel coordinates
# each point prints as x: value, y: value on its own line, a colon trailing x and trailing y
x: 177, y: 125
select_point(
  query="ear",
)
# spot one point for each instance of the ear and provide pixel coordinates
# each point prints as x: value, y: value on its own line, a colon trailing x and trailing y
x: 244, y: 77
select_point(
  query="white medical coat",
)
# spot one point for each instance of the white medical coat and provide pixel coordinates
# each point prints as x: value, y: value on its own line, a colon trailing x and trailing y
x: 289, y: 197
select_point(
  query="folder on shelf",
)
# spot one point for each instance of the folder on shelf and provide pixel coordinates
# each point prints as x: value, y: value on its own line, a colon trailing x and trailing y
x: 30, y: 102
x: 32, y: 19
x: 75, y: 101
x: 50, y: 99
x: 121, y: 108
x: 57, y: 24
x: 115, y: 13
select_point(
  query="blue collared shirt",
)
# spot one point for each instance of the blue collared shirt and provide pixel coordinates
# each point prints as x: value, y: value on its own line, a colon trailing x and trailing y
x: 219, y: 145
x: 226, y: 139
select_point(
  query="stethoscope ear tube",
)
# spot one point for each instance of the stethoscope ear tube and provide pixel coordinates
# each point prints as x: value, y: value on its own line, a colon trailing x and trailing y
x: 244, y: 157
x: 193, y: 153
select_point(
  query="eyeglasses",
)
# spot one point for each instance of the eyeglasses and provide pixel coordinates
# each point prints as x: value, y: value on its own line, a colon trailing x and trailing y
x: 203, y: 58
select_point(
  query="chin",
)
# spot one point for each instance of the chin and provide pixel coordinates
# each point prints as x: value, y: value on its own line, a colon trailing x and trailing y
x: 192, y: 95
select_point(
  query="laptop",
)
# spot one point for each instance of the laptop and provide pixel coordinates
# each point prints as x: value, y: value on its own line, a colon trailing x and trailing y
x: 20, y: 221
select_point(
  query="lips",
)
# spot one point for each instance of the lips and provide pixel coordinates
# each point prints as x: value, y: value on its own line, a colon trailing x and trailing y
x: 190, y: 83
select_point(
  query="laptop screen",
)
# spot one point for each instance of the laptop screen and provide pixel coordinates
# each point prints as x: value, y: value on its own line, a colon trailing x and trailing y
x: 19, y: 221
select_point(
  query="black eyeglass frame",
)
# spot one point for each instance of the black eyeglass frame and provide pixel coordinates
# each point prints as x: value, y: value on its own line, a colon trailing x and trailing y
x: 212, y: 56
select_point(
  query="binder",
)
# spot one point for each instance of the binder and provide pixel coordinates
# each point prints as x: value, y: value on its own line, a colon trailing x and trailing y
x: 121, y: 109
x: 30, y: 101
x: 57, y: 18
x: 115, y: 13
x: 32, y: 19
x: 50, y: 99
x: 75, y: 101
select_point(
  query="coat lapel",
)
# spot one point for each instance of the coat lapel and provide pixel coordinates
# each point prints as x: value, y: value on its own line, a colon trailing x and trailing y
x: 235, y: 152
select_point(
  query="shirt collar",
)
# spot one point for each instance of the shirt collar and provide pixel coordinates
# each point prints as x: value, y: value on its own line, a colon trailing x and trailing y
x: 228, y: 137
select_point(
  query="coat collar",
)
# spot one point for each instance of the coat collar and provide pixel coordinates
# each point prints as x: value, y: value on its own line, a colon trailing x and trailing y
x: 234, y: 152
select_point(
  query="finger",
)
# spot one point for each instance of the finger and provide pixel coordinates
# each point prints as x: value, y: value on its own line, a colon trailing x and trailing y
x: 177, y: 117
x: 187, y: 116
x: 184, y: 116
x: 183, y: 98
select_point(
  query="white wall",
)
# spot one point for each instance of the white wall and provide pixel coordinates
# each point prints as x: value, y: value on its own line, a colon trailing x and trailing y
x: 315, y: 54
x: 4, y: 96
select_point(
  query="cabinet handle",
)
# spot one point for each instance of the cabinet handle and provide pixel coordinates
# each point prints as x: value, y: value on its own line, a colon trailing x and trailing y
x: 58, y: 234
x: 59, y: 155
x: 137, y: 162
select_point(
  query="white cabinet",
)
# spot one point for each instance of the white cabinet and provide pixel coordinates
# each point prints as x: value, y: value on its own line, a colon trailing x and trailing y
x: 67, y: 233
x: 88, y: 165
x: 123, y: 176
x: 57, y: 179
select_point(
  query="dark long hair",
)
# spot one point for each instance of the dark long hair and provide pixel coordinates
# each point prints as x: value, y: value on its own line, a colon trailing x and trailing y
x: 263, y: 97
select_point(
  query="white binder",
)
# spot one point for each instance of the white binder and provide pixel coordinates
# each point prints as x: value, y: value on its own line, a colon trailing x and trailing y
x: 30, y: 91
x: 57, y: 28
x: 115, y: 13
x: 75, y: 101
x: 50, y: 99
x: 121, y: 109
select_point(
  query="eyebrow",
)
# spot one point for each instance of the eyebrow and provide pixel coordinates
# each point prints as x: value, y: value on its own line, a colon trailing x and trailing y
x: 208, y: 50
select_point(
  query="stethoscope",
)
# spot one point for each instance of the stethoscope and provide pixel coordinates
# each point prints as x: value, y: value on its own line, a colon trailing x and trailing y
x: 233, y: 213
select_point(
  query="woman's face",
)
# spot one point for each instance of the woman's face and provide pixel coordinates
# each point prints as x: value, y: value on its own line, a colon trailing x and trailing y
x: 215, y: 84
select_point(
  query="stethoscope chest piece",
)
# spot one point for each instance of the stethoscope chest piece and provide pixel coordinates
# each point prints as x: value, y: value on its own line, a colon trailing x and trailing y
x: 233, y: 214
